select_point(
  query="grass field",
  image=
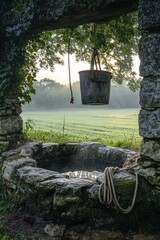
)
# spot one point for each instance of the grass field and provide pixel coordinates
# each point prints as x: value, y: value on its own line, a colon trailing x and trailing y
x: 109, y: 126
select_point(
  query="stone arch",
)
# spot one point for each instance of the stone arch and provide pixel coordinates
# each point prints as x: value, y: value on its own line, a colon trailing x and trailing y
x: 19, y: 23
x: 56, y: 14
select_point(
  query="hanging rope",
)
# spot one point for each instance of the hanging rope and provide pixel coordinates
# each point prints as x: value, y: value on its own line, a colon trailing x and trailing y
x: 107, y: 189
x: 69, y: 69
x: 95, y: 60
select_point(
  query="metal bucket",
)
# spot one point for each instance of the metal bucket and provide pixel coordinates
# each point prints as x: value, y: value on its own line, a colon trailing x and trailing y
x: 95, y: 87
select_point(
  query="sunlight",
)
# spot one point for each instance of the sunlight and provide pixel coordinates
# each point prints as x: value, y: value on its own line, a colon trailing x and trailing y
x: 61, y: 71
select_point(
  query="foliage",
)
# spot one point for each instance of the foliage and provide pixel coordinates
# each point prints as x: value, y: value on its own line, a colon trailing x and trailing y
x: 29, y: 125
x: 40, y: 51
x: 115, y: 40
x: 5, y: 237
x: 50, y: 136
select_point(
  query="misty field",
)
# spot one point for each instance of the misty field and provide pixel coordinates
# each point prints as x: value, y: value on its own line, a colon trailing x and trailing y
x: 112, y: 127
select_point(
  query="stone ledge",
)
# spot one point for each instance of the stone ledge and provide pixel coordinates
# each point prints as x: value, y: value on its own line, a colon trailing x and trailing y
x: 10, y: 168
x: 72, y: 156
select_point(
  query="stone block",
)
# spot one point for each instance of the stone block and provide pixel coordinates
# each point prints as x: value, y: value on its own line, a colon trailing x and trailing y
x: 3, y: 146
x: 3, y: 138
x: 149, y: 123
x: 55, y: 230
x: 149, y: 16
x: 3, y: 112
x: 10, y: 111
x: 111, y: 156
x: 14, y: 137
x: 33, y: 175
x: 150, y: 151
x: 17, y: 111
x: 149, y: 53
x: 10, y: 168
x: 64, y: 185
x: 150, y: 93
x: 150, y: 174
x: 10, y: 124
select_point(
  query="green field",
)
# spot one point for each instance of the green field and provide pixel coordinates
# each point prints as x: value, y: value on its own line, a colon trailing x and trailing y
x: 105, y: 125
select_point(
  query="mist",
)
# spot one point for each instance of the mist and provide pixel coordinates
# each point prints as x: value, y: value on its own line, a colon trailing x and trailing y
x: 52, y: 95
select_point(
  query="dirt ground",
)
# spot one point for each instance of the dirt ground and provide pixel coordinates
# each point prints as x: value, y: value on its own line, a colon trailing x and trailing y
x: 22, y: 226
x: 16, y: 223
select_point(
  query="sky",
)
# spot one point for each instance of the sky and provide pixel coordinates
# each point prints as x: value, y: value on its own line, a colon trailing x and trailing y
x: 61, y: 71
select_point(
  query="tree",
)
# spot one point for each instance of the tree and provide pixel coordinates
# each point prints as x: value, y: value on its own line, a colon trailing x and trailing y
x: 116, y: 42
x: 50, y: 95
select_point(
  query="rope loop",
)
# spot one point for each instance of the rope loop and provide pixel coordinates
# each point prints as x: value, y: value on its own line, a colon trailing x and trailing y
x: 107, y: 193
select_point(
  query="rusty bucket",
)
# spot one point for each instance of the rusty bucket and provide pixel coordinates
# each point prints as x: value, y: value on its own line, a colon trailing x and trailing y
x: 95, y: 87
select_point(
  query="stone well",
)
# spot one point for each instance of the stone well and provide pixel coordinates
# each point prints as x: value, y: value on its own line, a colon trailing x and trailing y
x: 60, y: 182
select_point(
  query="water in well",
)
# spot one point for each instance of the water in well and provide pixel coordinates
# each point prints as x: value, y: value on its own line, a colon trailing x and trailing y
x: 81, y: 160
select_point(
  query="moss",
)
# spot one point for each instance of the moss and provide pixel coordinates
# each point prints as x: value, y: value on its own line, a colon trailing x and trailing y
x: 3, y: 146
x: 145, y: 212
x: 125, y: 192
x: 80, y: 214
x: 124, y: 187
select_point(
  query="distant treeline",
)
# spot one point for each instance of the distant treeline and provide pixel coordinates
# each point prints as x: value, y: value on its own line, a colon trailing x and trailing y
x: 52, y: 95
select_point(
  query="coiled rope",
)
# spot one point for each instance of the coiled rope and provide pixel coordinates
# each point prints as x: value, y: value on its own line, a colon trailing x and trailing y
x: 107, y: 193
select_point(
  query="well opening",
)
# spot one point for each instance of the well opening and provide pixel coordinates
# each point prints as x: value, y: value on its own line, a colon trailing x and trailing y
x: 71, y: 157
